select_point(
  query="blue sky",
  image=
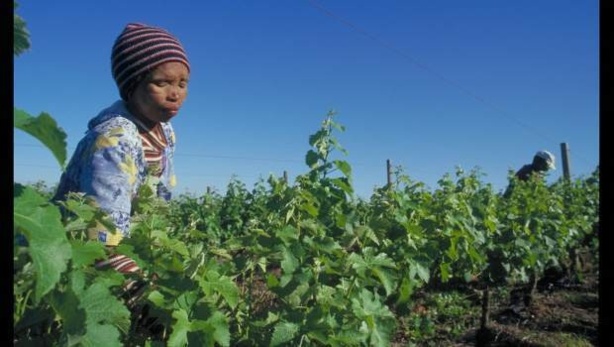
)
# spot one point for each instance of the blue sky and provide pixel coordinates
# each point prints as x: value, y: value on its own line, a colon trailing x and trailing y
x: 429, y: 85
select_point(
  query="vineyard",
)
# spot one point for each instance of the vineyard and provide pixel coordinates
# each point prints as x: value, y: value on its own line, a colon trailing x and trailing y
x: 301, y: 264
x: 307, y: 263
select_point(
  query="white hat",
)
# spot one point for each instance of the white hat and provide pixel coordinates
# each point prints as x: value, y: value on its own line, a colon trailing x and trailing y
x: 548, y: 157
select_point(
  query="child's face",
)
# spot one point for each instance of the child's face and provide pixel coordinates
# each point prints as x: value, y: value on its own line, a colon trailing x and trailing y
x: 158, y: 97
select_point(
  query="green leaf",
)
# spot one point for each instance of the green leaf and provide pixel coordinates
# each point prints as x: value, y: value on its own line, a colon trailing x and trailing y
x: 171, y: 244
x: 86, y: 209
x: 186, y: 300
x: 73, y: 318
x: 369, y: 262
x: 348, y: 338
x: 366, y: 232
x: 157, y: 298
x: 310, y: 209
x: 317, y: 137
x: 420, y: 270
x: 344, y: 167
x: 45, y: 129
x: 374, y: 266
x: 77, y: 282
x: 213, y: 330
x: 221, y: 330
x: 298, y: 297
x: 99, y: 335
x: 21, y: 36
x: 386, y: 278
x: 444, y: 268
x: 284, y: 332
x: 86, y: 253
x: 180, y: 329
x: 311, y: 159
x: 105, y: 315
x: 48, y: 246
x: 406, y: 289
x: 343, y: 184
x: 213, y: 283
x: 377, y: 319
x: 358, y: 264
x: 289, y: 262
x: 287, y: 234
x: 101, y: 306
x: 325, y: 244
x: 327, y: 296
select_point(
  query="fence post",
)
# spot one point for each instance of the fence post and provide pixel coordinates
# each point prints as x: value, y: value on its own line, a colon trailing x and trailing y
x: 565, y: 160
x: 388, y: 173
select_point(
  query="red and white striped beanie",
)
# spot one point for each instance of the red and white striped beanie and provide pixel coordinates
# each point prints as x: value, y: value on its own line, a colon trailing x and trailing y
x: 139, y: 49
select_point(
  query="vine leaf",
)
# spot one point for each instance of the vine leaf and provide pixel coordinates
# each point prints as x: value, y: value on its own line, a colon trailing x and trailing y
x: 376, y: 266
x: 86, y: 253
x: 45, y: 129
x: 284, y: 332
x: 214, y: 331
x: 181, y: 328
x: 377, y: 320
x: 213, y: 282
x: 48, y: 246
x: 105, y: 316
x: 66, y: 305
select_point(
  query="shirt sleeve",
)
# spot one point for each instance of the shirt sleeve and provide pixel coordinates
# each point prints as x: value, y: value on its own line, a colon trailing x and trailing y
x: 110, y: 176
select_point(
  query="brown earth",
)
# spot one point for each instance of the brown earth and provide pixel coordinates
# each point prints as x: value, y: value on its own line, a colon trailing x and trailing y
x: 563, y: 311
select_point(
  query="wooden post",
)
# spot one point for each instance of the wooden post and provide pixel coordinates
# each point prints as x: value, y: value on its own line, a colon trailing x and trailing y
x: 565, y: 160
x: 388, y: 173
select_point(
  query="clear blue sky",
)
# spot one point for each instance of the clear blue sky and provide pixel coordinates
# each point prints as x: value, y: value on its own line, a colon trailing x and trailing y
x: 430, y: 85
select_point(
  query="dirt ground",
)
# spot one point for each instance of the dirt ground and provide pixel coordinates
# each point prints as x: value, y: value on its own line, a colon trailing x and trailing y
x: 563, y: 312
x: 565, y: 316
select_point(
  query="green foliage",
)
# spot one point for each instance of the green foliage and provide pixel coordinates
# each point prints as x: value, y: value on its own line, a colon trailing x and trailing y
x: 234, y: 210
x: 45, y: 129
x: 48, y: 247
x: 290, y: 264
x: 21, y: 36
x: 284, y: 332
x: 60, y: 269
x: 377, y: 322
x: 105, y: 316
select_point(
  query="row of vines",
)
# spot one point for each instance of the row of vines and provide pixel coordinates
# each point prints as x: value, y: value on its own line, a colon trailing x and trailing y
x: 305, y: 263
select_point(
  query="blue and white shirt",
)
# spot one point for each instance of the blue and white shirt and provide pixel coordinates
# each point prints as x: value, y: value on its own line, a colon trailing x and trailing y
x: 109, y: 165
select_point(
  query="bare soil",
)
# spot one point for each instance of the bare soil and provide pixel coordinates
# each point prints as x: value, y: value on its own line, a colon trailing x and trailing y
x: 563, y: 311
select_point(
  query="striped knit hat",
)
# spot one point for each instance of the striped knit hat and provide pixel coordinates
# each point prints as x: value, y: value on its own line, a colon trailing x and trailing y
x: 139, y: 49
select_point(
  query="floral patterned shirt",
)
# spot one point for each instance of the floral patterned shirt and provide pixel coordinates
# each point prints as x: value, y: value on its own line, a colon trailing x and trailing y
x: 109, y: 165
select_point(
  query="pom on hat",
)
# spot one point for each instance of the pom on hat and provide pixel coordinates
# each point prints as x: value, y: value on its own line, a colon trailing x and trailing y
x: 140, y: 48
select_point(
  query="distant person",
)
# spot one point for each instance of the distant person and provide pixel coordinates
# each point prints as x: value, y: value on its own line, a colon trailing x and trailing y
x: 131, y: 142
x: 543, y: 161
